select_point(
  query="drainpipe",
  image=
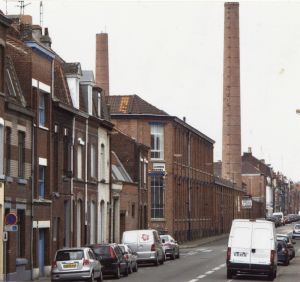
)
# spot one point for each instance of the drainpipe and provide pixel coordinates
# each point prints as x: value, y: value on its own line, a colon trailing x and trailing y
x: 32, y: 194
x: 85, y: 182
x: 72, y: 184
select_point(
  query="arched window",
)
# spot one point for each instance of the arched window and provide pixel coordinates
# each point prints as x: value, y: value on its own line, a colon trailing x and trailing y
x: 93, y: 223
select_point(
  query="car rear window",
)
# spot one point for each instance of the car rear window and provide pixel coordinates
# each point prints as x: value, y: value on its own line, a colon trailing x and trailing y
x: 166, y: 238
x: 69, y: 255
x: 103, y: 251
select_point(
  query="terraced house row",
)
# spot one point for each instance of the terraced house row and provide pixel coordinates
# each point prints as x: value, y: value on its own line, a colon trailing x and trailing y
x: 79, y: 166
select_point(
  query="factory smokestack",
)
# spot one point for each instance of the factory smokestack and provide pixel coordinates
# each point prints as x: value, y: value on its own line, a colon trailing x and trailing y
x: 102, y: 64
x: 231, y: 151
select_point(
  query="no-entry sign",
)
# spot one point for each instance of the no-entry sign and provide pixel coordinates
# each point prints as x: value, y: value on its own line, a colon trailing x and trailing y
x: 11, y: 219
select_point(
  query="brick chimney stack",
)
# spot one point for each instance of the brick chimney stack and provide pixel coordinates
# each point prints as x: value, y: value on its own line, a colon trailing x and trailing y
x: 231, y: 151
x: 102, y: 67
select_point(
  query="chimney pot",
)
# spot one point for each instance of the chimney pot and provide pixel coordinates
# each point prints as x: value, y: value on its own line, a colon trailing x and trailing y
x: 184, y: 119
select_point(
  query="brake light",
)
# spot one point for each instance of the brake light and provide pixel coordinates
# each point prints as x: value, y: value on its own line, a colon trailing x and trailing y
x: 54, y: 265
x: 153, y: 248
x: 228, y: 253
x: 272, y: 257
x: 86, y: 262
x: 126, y: 257
x: 112, y: 253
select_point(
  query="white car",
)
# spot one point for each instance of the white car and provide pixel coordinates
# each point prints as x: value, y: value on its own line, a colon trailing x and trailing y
x: 296, y: 231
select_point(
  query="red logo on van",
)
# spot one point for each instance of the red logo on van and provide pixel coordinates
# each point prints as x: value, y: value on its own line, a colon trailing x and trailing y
x: 145, y: 237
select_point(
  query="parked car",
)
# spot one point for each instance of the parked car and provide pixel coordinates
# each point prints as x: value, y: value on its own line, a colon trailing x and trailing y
x: 111, y: 258
x: 296, y: 231
x: 147, y: 244
x: 283, y: 253
x: 274, y: 219
x: 280, y: 216
x: 130, y: 257
x: 76, y: 264
x: 290, y: 243
x: 170, y: 246
x: 252, y: 248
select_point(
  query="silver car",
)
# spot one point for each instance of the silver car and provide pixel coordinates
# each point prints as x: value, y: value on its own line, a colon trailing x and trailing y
x: 76, y: 264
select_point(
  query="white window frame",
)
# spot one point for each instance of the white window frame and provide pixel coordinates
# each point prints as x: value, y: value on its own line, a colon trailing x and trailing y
x: 79, y: 161
x: 102, y: 162
x: 93, y: 160
x: 1, y: 148
x: 157, y: 146
x: 42, y: 109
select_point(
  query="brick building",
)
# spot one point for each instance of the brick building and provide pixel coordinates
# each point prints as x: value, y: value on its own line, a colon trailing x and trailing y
x: 134, y: 194
x: 180, y: 165
x: 56, y: 130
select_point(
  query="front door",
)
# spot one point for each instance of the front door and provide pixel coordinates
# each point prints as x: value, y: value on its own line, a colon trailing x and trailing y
x: 42, y: 252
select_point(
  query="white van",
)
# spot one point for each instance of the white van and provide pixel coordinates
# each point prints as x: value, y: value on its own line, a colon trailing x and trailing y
x: 146, y: 243
x: 252, y: 248
x: 280, y: 216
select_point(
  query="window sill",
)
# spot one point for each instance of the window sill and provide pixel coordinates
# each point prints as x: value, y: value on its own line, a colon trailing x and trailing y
x: 43, y: 127
x: 22, y: 181
x: 42, y: 201
x: 158, y: 219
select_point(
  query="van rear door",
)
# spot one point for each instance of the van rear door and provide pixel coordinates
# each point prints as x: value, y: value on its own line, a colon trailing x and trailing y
x: 241, y: 243
x: 262, y: 242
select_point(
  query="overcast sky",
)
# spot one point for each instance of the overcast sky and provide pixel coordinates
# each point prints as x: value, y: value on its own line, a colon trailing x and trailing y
x: 171, y: 54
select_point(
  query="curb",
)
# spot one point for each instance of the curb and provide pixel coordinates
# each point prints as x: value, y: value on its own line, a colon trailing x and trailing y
x: 203, y: 241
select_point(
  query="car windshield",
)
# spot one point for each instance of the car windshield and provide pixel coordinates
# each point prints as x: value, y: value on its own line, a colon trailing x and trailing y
x: 297, y: 227
x: 123, y: 248
x: 69, y: 255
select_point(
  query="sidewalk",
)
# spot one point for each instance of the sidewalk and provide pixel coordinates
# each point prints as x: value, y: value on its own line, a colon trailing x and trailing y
x: 202, y: 241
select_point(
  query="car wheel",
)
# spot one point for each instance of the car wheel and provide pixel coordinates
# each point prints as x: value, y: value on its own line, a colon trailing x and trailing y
x: 287, y: 262
x: 178, y: 255
x: 163, y: 258
x: 130, y: 268
x: 126, y: 272
x: 100, y: 279
x: 156, y: 262
x: 118, y: 273
x: 229, y: 274
x: 272, y: 276
x: 92, y: 278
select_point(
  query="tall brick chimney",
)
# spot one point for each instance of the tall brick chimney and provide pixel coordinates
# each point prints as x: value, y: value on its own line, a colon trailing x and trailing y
x: 102, y: 67
x: 231, y: 151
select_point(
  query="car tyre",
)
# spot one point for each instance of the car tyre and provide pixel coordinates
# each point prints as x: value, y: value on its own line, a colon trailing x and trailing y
x: 229, y: 274
x: 135, y: 269
x: 126, y: 272
x: 100, y: 279
x: 156, y: 263
x: 118, y: 273
x: 92, y: 278
x: 130, y: 268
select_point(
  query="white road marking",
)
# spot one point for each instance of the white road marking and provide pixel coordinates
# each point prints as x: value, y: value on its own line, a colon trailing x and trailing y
x: 201, y: 249
x: 201, y: 276
x: 209, y: 272
x: 223, y: 265
x: 193, y: 280
x: 216, y: 268
x: 206, y: 251
x: 191, y: 253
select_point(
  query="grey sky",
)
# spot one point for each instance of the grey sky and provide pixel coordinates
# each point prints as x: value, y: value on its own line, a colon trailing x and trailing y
x: 171, y: 54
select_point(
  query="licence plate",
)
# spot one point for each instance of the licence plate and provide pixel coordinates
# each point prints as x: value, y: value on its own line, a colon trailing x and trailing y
x: 70, y: 265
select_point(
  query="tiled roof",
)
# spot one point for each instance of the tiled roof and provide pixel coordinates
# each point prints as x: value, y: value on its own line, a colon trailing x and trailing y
x: 119, y: 173
x: 61, y: 89
x: 72, y: 68
x: 248, y: 168
x: 131, y: 104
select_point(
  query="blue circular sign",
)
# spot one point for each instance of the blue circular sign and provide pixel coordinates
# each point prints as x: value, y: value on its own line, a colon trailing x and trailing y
x: 11, y: 219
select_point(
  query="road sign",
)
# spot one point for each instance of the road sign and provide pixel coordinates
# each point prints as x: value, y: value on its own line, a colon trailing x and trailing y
x: 5, y: 236
x: 11, y: 228
x: 11, y: 219
x: 247, y: 203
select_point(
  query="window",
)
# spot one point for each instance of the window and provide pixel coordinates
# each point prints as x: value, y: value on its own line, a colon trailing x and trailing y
x: 21, y: 154
x: 145, y: 174
x: 21, y: 234
x: 42, y: 182
x: 102, y: 166
x: 133, y: 210
x: 8, y: 149
x: 93, y: 160
x: 1, y: 149
x: 157, y: 141
x: 157, y: 197
x: 42, y: 109
x: 79, y: 162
